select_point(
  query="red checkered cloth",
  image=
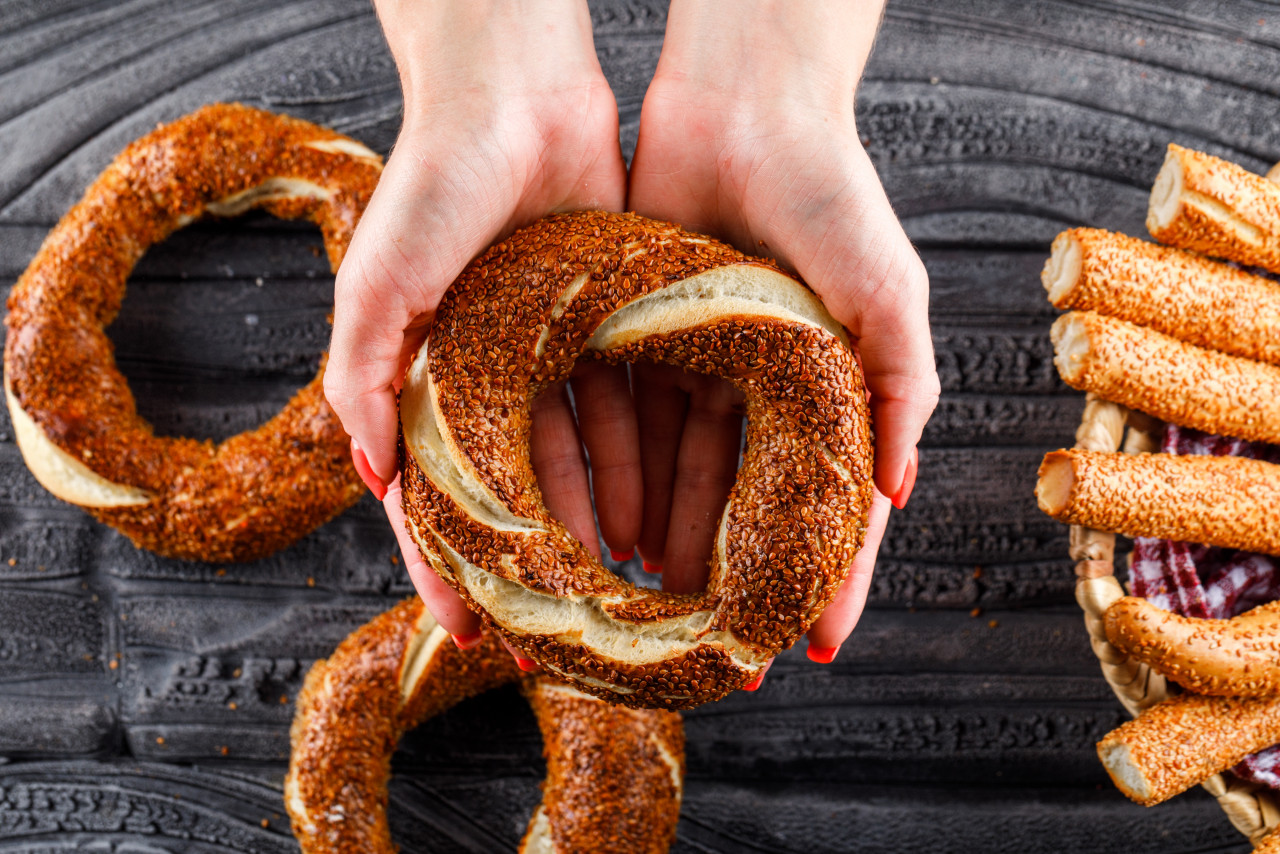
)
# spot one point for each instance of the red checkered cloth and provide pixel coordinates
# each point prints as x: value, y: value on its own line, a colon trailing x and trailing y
x: 1206, y: 581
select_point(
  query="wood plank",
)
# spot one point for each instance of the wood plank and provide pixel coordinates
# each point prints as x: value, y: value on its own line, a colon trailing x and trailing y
x: 994, y: 124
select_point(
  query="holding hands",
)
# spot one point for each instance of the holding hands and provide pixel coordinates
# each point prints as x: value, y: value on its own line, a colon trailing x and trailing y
x: 747, y: 133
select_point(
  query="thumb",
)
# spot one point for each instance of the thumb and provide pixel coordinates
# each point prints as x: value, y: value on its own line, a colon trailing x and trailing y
x: 411, y: 243
x: 871, y: 280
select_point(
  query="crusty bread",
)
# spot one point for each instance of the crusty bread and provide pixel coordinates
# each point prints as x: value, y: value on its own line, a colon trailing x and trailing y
x: 1221, y: 501
x: 1236, y: 657
x: 623, y: 288
x: 615, y: 776
x: 1168, y: 378
x: 1179, y: 293
x: 1183, y: 740
x: 74, y: 417
x: 1215, y: 207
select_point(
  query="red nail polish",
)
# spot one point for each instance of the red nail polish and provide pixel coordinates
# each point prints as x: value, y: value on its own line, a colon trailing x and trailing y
x: 525, y: 664
x: 651, y: 567
x: 371, y: 480
x: 908, y: 480
x: 622, y: 557
x: 467, y: 641
x: 754, y: 684
x: 822, y: 654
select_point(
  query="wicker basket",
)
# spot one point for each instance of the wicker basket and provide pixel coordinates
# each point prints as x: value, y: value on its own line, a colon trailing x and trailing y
x: 1106, y: 426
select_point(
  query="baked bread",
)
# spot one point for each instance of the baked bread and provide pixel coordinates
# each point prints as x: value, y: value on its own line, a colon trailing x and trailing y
x: 614, y: 775
x: 623, y: 288
x: 73, y: 414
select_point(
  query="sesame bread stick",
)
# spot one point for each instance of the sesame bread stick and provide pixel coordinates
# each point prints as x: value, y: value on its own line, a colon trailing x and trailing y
x: 1209, y: 205
x: 1269, y: 844
x: 1183, y: 740
x: 1219, y: 501
x: 1179, y: 293
x: 1167, y: 378
x: 1236, y: 657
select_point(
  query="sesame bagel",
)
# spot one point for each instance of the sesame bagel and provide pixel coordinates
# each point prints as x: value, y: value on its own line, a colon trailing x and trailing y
x: 622, y: 288
x: 614, y: 775
x: 74, y: 416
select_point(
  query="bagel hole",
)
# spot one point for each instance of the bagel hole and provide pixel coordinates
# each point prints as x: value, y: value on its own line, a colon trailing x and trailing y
x: 493, y: 737
x: 712, y: 410
x: 222, y: 323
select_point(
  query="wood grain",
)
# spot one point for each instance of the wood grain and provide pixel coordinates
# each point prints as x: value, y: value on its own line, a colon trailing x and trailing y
x: 144, y: 703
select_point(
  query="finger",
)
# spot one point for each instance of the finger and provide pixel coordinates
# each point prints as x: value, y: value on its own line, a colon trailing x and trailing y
x: 660, y: 410
x: 607, y: 422
x: 705, y: 471
x: 556, y: 454
x: 831, y: 629
x: 754, y: 684
x: 528, y: 665
x: 441, y: 600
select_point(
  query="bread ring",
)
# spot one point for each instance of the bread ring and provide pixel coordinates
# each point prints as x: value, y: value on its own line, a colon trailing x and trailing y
x: 74, y: 416
x: 614, y: 775
x: 624, y: 288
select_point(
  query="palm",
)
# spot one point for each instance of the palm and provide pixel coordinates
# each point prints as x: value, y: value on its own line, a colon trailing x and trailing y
x: 804, y: 193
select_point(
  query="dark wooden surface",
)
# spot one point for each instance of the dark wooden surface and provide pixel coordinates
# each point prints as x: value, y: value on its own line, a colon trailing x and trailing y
x: 962, y: 713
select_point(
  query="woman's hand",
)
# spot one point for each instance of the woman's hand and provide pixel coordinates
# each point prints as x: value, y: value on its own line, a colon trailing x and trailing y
x: 747, y: 133
x: 507, y: 118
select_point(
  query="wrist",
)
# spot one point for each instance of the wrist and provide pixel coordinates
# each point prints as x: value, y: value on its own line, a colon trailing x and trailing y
x: 487, y: 50
x: 769, y: 53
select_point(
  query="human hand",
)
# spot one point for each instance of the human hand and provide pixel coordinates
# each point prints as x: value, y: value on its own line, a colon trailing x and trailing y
x: 747, y: 133
x: 507, y: 117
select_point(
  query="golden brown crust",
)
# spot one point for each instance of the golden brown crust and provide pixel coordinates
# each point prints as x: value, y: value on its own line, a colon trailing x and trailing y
x: 1221, y: 501
x: 623, y: 288
x: 614, y: 775
x: 351, y: 713
x: 1173, y: 291
x: 1208, y: 205
x: 1167, y: 378
x: 1183, y: 740
x: 256, y: 492
x: 1237, y: 657
x: 1269, y: 844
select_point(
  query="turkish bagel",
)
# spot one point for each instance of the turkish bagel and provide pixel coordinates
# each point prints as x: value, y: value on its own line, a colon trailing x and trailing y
x: 75, y: 418
x: 615, y: 776
x: 623, y: 288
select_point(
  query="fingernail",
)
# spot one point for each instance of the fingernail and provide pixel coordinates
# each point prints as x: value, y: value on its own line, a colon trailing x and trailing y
x: 908, y: 480
x: 621, y: 557
x: 525, y: 664
x: 467, y: 641
x: 822, y: 654
x: 361, y: 462
x: 650, y: 567
x: 754, y: 684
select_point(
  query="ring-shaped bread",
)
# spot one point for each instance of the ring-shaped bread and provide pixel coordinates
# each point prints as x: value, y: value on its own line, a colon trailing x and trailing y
x: 624, y: 288
x: 615, y: 776
x: 74, y: 416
